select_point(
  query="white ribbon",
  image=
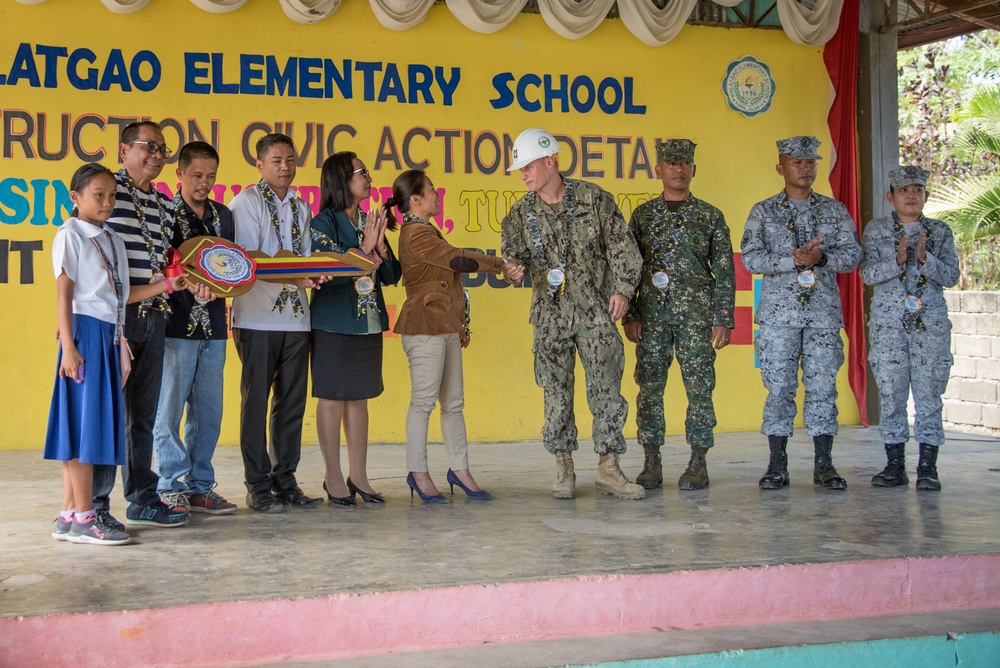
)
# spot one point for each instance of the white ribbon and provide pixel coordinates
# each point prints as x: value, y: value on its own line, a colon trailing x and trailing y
x: 571, y: 19
x: 400, y: 14
x: 486, y: 16
x: 218, y: 6
x: 654, y: 26
x: 309, y: 11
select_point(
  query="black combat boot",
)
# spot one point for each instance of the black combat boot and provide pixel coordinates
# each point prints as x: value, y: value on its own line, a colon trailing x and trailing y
x: 652, y: 471
x: 927, y: 477
x: 776, y: 476
x: 823, y: 471
x: 894, y: 473
x: 696, y: 475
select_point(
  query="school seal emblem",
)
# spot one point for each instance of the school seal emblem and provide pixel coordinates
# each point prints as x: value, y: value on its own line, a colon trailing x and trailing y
x: 748, y: 86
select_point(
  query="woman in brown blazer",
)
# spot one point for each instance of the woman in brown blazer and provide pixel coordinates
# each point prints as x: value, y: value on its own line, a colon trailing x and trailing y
x: 433, y: 327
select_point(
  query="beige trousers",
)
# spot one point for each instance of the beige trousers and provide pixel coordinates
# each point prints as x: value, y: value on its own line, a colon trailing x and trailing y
x: 435, y: 375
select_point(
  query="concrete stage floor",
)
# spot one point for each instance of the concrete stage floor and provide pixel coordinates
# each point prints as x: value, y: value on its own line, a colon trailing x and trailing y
x: 523, y: 535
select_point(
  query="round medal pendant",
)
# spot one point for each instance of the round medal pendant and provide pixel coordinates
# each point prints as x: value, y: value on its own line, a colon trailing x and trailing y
x: 913, y: 304
x: 807, y: 278
x: 556, y: 277
x: 661, y: 280
x: 364, y: 286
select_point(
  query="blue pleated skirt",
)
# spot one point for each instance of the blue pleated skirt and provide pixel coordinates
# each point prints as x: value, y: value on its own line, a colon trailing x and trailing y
x: 87, y: 420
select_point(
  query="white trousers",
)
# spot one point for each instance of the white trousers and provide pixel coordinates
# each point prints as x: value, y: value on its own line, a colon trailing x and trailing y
x: 435, y: 376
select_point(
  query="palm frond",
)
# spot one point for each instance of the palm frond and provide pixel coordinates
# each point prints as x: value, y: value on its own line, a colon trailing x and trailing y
x: 971, y: 208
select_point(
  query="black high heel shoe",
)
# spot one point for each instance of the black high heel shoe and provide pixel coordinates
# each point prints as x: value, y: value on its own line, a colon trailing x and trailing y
x: 339, y: 500
x: 373, y: 497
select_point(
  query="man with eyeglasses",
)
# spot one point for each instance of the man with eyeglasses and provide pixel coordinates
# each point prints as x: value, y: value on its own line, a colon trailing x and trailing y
x: 271, y: 329
x: 143, y: 218
x: 683, y: 307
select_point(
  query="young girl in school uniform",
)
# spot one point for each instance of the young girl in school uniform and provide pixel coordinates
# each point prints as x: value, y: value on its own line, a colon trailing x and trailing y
x: 86, y: 419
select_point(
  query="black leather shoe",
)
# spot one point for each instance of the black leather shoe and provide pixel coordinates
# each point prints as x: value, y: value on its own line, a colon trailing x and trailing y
x: 295, y: 497
x: 263, y: 502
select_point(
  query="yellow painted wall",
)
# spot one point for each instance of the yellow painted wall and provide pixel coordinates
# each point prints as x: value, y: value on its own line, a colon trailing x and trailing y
x: 679, y: 86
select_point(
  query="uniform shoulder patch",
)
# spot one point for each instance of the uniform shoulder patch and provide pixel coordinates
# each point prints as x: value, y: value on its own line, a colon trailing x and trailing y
x: 747, y: 236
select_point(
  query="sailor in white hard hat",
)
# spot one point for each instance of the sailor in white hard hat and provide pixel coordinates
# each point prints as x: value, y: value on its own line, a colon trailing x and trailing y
x: 584, y: 266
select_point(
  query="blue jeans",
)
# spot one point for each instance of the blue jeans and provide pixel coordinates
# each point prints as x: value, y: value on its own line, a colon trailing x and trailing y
x: 192, y: 381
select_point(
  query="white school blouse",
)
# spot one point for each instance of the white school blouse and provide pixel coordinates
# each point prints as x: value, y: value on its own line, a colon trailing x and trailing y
x: 74, y: 252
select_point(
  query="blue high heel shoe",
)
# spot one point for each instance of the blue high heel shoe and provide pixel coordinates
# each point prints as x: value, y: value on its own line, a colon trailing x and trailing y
x: 439, y: 498
x: 481, y: 495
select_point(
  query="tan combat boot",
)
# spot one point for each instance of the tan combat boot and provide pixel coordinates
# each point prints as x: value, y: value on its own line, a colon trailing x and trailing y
x: 696, y: 475
x: 611, y: 480
x: 565, y: 485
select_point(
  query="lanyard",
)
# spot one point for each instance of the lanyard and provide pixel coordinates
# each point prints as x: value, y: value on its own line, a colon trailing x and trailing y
x: 801, y: 236
x: 535, y: 233
x: 664, y: 240
x: 286, y: 294
x: 911, y: 316
x: 199, y: 315
x: 155, y: 264
x: 114, y: 278
x: 181, y: 216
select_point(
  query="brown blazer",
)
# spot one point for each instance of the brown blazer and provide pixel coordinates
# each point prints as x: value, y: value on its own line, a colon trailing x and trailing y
x: 432, y: 276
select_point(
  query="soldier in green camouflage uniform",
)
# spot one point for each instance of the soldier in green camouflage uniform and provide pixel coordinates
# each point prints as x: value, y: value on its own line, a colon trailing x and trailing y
x: 584, y: 265
x: 683, y: 306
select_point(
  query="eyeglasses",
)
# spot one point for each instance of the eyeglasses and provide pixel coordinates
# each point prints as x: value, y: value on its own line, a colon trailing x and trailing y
x: 364, y: 172
x: 154, y: 148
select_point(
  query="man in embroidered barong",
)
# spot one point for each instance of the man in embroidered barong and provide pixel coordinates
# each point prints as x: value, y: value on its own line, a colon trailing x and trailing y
x: 683, y: 308
x: 800, y: 240
x: 909, y: 260
x: 271, y: 332
x: 584, y: 265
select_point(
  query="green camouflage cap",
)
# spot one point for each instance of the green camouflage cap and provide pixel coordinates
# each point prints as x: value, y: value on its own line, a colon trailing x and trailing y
x: 675, y: 150
x: 908, y: 175
x: 802, y: 147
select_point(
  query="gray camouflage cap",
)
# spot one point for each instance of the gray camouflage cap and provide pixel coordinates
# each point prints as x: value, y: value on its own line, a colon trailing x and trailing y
x: 675, y: 150
x: 908, y: 175
x: 802, y: 147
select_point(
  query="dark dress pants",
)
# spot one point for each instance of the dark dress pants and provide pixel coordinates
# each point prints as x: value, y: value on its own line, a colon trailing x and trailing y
x: 141, y: 393
x: 275, y: 365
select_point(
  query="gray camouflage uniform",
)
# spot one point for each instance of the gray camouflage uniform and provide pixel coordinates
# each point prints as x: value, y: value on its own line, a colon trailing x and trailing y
x: 797, y: 323
x: 601, y: 260
x: 904, y: 353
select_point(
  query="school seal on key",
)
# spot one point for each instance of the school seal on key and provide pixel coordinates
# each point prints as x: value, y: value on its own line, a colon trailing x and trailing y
x: 225, y: 264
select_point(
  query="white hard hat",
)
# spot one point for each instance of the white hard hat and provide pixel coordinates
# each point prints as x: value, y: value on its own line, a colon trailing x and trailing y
x: 531, y: 145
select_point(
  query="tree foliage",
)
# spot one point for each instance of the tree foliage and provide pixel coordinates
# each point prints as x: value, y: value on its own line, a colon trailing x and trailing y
x: 949, y: 121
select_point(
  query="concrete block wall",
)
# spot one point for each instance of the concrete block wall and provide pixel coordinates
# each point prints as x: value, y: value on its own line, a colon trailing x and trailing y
x: 971, y: 400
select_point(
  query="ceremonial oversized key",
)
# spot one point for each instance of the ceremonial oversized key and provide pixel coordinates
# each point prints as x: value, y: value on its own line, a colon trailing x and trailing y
x: 285, y: 265
x: 220, y: 264
x: 229, y: 271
